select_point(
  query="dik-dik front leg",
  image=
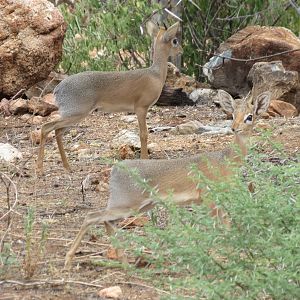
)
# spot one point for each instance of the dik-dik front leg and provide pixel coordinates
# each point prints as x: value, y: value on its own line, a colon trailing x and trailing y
x: 141, y: 113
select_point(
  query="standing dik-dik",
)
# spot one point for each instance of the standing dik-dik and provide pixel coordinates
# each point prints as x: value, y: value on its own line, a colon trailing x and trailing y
x: 174, y: 174
x: 128, y: 91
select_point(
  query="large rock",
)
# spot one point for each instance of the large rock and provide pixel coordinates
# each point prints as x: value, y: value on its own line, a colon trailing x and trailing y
x: 252, y: 43
x: 31, y: 36
x: 272, y: 76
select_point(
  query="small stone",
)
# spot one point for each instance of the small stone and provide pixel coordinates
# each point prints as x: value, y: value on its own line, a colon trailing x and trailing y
x: 113, y: 292
x: 187, y: 128
x: 126, y: 137
x: 281, y: 108
x: 129, y: 118
x: 9, y: 153
x: 18, y: 106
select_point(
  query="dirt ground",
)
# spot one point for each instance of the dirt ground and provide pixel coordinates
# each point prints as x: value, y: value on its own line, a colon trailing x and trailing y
x: 57, y: 199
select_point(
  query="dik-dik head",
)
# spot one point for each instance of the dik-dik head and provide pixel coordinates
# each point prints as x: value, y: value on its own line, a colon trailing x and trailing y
x: 244, y: 111
x: 166, y: 38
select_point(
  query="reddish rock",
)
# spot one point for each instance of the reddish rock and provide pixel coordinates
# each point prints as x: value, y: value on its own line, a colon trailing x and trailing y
x: 39, y: 107
x: 18, y: 106
x: 249, y: 43
x: 282, y: 109
x: 31, y: 36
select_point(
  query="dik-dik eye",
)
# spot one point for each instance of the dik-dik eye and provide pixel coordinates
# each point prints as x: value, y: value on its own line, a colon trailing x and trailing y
x: 175, y: 42
x: 248, y: 119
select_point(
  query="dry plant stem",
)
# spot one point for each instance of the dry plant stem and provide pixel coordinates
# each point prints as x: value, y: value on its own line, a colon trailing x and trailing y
x: 9, y: 207
x: 51, y: 282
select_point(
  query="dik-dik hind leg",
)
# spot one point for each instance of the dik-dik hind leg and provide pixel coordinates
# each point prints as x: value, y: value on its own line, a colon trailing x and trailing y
x: 104, y: 216
x: 111, y: 230
x: 59, y: 140
x: 58, y: 126
x: 45, y: 130
x: 141, y: 116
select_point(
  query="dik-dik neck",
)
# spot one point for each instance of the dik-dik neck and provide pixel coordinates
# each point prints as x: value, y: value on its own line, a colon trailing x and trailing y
x: 160, y: 61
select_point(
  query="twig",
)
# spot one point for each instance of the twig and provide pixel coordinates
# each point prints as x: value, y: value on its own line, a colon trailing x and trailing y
x: 21, y: 91
x: 253, y: 59
x: 10, y: 207
x: 54, y: 282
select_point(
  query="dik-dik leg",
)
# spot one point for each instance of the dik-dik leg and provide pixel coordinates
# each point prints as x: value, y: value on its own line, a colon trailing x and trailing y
x: 94, y: 218
x: 59, y: 127
x: 141, y: 113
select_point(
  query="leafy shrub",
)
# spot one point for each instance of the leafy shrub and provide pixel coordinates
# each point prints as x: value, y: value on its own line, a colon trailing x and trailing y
x: 105, y: 35
x: 258, y: 257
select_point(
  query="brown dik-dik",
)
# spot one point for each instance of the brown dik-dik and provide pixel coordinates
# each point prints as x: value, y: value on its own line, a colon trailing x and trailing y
x: 128, y: 91
x: 126, y: 197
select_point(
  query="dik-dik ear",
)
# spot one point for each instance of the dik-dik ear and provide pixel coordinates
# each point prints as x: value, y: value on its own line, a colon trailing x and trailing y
x: 152, y: 29
x: 171, y: 32
x: 261, y: 103
x: 226, y: 101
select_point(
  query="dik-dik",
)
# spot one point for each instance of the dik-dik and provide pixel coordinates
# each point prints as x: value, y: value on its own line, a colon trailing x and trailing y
x: 127, y: 91
x: 126, y: 197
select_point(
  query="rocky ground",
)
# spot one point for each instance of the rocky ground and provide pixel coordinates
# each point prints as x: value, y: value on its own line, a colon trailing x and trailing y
x: 59, y: 201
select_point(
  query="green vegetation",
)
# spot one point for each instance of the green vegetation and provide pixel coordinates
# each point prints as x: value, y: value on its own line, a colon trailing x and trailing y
x: 34, y: 250
x: 197, y: 257
x: 106, y: 35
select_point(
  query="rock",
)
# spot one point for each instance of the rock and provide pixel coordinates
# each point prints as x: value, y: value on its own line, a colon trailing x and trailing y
x: 271, y: 76
x: 214, y: 130
x: 50, y: 98
x: 31, y: 37
x: 187, y: 128
x: 33, y: 120
x: 153, y: 147
x: 281, y: 108
x: 18, y: 106
x: 9, y: 153
x: 160, y: 129
x: 4, y: 107
x: 113, y: 292
x: 126, y: 152
x: 126, y: 137
x: 204, y: 96
x: 40, y: 107
x: 45, y: 86
x: 129, y: 118
x: 54, y: 116
x: 248, y: 43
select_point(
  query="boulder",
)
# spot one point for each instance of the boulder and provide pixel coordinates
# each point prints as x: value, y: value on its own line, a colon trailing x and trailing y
x: 227, y: 69
x: 31, y: 37
x: 272, y: 76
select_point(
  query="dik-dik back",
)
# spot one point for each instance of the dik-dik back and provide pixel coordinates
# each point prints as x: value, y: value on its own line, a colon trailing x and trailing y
x: 110, y: 91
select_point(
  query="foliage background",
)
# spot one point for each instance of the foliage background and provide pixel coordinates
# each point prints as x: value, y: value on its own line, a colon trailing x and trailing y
x: 106, y: 35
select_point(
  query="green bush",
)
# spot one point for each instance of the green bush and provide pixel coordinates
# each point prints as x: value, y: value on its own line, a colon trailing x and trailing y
x: 105, y: 35
x: 258, y: 257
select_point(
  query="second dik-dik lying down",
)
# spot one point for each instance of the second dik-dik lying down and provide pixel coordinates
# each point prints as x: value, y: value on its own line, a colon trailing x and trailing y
x: 128, y: 91
x: 173, y: 175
